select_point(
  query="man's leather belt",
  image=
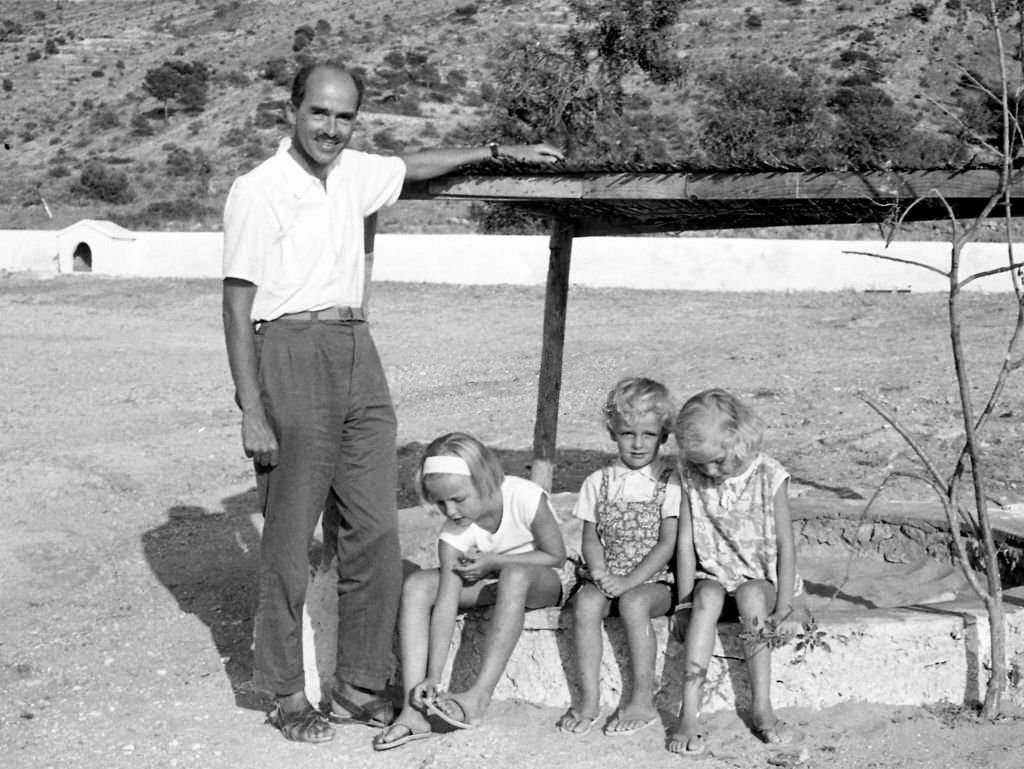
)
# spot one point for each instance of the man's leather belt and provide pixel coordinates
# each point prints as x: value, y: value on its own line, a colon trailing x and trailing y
x: 331, y: 313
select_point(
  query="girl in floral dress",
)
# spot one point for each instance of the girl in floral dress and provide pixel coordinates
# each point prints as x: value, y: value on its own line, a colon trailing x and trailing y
x: 735, y: 544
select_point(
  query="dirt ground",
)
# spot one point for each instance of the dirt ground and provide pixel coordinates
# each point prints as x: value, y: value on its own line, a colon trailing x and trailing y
x: 128, y: 551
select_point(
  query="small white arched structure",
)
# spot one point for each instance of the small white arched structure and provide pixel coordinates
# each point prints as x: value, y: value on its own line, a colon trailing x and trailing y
x: 99, y: 245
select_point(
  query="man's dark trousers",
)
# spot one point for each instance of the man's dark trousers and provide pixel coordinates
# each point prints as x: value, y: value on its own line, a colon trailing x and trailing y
x: 328, y: 403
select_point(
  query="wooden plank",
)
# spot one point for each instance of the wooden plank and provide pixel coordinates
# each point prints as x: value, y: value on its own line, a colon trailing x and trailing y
x: 549, y: 386
x: 751, y: 186
x: 496, y: 188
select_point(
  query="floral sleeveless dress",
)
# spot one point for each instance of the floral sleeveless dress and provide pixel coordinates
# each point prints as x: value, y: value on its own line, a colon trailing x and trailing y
x: 734, y: 524
x: 629, y: 530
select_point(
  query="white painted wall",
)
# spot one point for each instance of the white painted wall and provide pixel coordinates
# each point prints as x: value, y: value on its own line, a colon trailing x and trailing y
x: 700, y: 264
x: 28, y: 250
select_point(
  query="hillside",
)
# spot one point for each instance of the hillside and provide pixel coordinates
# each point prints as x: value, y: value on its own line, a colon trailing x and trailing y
x: 72, y: 74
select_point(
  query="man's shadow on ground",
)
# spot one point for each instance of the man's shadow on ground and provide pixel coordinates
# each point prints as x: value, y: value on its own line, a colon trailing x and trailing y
x: 209, y: 559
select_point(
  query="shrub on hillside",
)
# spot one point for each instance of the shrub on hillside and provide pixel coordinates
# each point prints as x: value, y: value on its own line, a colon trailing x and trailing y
x: 100, y: 182
x: 140, y: 125
x: 182, y: 162
x: 187, y: 82
x: 764, y: 114
x: 104, y: 119
x: 302, y: 37
x: 271, y: 113
x: 920, y: 11
x: 278, y: 71
x: 10, y: 29
x: 386, y: 142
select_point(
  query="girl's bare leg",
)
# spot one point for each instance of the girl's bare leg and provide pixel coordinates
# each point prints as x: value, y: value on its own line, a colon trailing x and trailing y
x: 708, y: 600
x: 637, y: 607
x: 418, y: 594
x: 755, y: 600
x: 590, y: 607
x: 520, y: 587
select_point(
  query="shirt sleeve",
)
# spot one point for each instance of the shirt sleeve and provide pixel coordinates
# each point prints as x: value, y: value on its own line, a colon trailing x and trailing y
x: 586, y: 502
x: 249, y: 228
x: 379, y: 180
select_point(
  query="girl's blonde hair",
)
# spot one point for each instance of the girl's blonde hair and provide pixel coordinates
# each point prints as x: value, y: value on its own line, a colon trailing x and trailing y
x: 485, y: 469
x: 717, y: 415
x: 635, y: 396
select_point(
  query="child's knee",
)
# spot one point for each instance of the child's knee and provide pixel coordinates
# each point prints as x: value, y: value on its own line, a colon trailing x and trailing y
x: 515, y: 579
x: 635, y: 606
x: 755, y: 598
x: 708, y: 595
x: 420, y: 587
x: 588, y: 604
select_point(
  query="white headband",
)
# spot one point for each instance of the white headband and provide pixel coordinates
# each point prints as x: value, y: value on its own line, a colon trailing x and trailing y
x: 445, y: 464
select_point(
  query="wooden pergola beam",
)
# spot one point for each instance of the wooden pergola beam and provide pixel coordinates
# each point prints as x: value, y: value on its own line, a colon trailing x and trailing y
x: 720, y: 186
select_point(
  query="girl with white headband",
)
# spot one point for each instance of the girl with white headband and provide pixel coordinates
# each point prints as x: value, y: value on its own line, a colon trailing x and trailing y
x: 500, y: 546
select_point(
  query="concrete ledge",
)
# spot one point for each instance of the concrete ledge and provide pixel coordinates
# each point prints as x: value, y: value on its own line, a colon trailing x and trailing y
x: 908, y: 656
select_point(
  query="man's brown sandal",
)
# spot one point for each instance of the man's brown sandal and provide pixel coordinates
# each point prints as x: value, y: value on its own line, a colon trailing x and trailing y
x: 377, y: 712
x: 306, y: 725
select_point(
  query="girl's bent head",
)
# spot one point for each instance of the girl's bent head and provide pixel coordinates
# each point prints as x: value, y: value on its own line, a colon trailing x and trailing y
x: 459, y: 459
x: 718, y: 434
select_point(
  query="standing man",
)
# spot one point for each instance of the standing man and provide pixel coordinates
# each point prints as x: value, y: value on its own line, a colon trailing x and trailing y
x: 317, y: 417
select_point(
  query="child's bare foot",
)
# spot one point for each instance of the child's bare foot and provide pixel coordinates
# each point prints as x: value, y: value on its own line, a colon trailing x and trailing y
x: 463, y: 711
x: 775, y: 731
x: 576, y: 722
x: 687, y: 740
x: 631, y: 720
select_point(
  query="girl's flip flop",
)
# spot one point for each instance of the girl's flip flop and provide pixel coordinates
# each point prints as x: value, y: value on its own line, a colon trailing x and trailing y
x: 583, y: 724
x: 380, y: 743
x: 460, y: 721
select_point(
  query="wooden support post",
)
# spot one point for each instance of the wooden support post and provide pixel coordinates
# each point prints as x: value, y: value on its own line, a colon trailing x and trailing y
x: 549, y: 387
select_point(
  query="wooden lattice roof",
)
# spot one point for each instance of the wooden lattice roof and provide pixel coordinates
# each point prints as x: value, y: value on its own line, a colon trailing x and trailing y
x: 624, y: 199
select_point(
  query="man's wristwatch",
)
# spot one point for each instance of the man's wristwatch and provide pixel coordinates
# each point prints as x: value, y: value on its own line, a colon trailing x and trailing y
x: 495, y: 149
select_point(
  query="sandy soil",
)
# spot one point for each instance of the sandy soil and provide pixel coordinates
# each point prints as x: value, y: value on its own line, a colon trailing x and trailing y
x: 129, y: 546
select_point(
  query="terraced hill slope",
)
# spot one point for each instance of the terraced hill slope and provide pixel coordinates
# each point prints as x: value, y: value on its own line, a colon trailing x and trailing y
x: 72, y: 74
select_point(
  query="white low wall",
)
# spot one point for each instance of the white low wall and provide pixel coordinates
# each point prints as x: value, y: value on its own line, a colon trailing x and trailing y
x: 34, y: 250
x: 699, y: 264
